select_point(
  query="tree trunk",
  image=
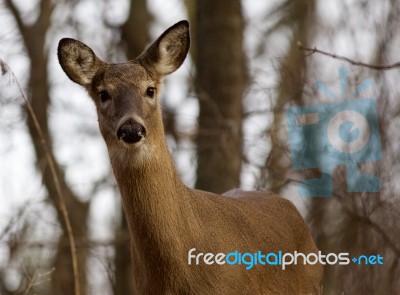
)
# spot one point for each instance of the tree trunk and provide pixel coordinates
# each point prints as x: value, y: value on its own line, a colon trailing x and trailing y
x: 221, y: 81
x: 34, y: 39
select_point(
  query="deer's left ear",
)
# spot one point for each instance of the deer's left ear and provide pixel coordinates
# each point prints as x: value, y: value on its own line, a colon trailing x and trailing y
x: 169, y: 51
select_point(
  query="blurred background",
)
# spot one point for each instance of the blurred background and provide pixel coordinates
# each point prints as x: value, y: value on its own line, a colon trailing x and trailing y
x: 224, y: 114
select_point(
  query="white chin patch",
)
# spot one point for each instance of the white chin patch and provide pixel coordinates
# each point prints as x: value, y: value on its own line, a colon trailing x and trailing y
x: 134, y: 155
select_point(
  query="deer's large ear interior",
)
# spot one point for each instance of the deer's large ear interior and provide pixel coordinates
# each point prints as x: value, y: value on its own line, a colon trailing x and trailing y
x: 77, y: 60
x: 169, y: 51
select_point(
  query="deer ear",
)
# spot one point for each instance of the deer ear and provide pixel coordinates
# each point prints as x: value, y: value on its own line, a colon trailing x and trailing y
x: 169, y: 51
x: 78, y: 61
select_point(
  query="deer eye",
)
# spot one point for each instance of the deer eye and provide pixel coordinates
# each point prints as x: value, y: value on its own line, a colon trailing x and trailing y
x: 104, y: 96
x: 151, y: 91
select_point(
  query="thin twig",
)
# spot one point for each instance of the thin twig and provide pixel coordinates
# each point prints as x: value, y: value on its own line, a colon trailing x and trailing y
x: 375, y: 226
x: 311, y: 51
x: 31, y: 281
x: 14, y: 220
x: 51, y: 163
x: 36, y: 279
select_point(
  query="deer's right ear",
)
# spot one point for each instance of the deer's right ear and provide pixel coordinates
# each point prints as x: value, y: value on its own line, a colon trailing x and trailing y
x: 78, y: 61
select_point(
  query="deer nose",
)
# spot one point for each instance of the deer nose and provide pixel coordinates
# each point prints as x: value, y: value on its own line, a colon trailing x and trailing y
x: 131, y: 132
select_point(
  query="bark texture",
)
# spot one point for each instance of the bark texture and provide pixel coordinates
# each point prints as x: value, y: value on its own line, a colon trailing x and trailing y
x: 220, y: 83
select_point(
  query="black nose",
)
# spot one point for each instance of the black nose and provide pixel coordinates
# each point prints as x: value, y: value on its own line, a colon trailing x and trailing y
x: 131, y: 132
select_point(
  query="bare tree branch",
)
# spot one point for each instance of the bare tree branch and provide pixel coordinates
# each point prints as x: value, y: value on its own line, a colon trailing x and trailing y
x: 368, y: 221
x: 14, y: 220
x: 311, y: 51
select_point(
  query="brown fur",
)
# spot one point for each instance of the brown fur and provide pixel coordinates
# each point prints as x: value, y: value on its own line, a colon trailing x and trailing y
x: 166, y: 219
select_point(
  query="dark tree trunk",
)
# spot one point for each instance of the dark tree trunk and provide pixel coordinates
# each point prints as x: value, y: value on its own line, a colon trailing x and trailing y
x: 135, y: 31
x: 220, y: 84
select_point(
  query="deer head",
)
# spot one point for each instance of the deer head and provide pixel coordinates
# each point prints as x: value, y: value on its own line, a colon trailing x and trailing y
x: 126, y: 94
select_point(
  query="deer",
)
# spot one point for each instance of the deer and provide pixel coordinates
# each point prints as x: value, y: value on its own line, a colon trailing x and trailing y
x: 169, y: 223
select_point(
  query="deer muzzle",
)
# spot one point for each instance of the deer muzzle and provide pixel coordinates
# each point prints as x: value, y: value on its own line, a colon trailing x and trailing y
x: 131, y: 132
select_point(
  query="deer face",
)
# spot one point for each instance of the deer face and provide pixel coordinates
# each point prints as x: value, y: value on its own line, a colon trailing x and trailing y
x: 126, y: 94
x: 126, y: 98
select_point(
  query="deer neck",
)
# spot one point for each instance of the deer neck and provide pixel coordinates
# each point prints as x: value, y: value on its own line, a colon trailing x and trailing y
x: 155, y: 204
